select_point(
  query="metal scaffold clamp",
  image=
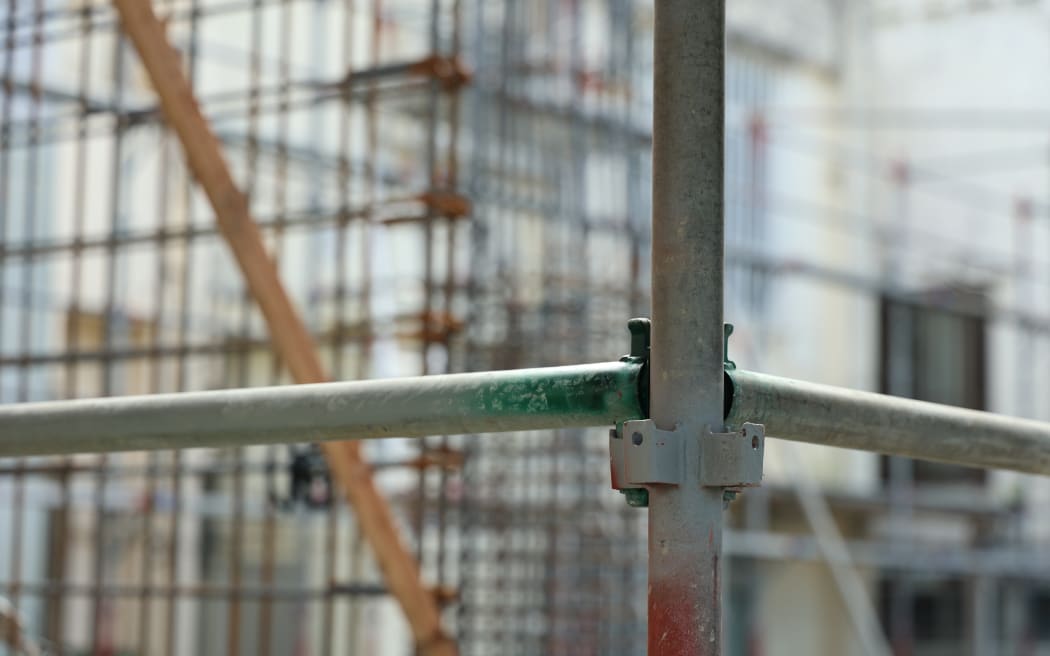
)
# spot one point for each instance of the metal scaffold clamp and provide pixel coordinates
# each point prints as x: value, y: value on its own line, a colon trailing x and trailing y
x: 733, y: 459
x: 643, y: 455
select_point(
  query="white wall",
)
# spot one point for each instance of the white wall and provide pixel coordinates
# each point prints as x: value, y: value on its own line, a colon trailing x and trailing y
x: 974, y: 84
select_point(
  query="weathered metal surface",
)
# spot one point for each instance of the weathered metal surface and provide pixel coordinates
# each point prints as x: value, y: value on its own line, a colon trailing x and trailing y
x: 821, y: 414
x: 522, y: 399
x: 733, y: 459
x: 649, y: 455
x: 685, y: 521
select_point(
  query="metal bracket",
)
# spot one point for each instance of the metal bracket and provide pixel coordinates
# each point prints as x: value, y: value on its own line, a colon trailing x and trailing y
x: 733, y: 459
x: 640, y: 454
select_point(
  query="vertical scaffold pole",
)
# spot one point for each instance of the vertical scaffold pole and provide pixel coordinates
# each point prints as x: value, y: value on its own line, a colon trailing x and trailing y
x: 685, y: 521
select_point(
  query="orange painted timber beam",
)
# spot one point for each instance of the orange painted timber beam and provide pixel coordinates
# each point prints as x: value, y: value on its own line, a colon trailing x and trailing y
x: 289, y: 334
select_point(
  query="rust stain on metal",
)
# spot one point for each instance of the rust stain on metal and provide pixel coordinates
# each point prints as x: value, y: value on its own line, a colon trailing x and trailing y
x: 450, y: 71
x: 447, y: 203
x: 674, y: 625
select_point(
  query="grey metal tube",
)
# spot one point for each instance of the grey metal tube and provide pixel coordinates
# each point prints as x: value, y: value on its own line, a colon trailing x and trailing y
x: 833, y: 416
x: 685, y: 521
x: 522, y: 399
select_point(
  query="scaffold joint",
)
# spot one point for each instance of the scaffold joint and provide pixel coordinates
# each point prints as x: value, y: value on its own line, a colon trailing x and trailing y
x: 641, y: 331
x: 733, y: 459
x: 642, y: 455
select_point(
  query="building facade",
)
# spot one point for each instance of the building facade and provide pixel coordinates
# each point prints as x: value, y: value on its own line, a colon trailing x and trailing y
x: 465, y: 186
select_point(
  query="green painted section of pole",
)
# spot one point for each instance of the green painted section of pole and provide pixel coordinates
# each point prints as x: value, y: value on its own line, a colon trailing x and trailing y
x: 492, y: 401
x: 833, y: 416
x: 685, y: 520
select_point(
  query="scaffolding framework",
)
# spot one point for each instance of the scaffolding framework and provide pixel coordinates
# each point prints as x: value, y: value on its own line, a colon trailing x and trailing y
x: 348, y: 133
x: 466, y: 175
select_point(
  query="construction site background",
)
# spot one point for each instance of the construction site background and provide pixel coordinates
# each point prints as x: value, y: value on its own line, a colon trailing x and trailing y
x: 464, y: 185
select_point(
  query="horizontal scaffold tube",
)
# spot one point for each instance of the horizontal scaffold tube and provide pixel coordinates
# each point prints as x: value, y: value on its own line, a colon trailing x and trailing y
x: 833, y: 416
x: 492, y: 401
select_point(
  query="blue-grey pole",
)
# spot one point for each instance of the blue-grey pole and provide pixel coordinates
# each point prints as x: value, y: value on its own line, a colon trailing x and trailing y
x: 685, y: 521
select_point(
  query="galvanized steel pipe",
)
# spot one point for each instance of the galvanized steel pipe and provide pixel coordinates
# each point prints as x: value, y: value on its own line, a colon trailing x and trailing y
x: 521, y: 399
x: 833, y: 416
x: 685, y: 520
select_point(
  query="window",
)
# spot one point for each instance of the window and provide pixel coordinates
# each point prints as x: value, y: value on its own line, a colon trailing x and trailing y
x: 933, y: 349
x: 924, y: 617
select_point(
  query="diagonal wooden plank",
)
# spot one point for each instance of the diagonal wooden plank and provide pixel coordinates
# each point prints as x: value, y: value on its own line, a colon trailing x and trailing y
x: 287, y: 330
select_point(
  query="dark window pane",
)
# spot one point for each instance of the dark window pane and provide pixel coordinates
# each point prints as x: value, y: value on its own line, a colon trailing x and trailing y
x: 935, y: 355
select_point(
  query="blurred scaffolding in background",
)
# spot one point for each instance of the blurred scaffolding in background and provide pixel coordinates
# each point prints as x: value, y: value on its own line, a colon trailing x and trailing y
x: 464, y: 185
